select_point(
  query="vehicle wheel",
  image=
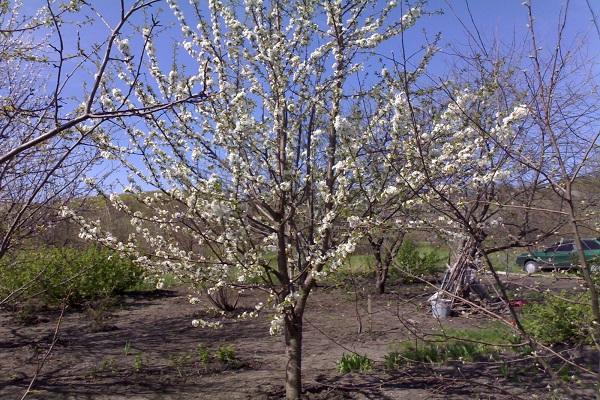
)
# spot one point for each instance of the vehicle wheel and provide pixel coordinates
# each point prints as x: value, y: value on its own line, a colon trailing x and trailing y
x: 531, y: 267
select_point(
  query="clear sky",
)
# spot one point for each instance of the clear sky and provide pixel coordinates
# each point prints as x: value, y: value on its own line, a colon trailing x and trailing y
x: 502, y: 20
x: 506, y: 21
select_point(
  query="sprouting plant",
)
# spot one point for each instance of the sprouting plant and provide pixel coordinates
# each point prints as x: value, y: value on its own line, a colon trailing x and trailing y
x: 504, y: 370
x: 226, y: 353
x: 108, y: 364
x: 138, y: 363
x: 393, y: 360
x: 178, y: 362
x: 354, y: 363
x: 127, y: 348
x: 203, y: 354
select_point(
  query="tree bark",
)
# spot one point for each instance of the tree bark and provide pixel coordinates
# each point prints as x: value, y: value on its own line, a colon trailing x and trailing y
x: 380, y: 280
x: 293, y: 349
x: 380, y: 268
x: 384, y: 253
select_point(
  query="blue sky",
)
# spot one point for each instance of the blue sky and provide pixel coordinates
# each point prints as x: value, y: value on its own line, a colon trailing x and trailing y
x: 507, y: 21
x: 503, y: 20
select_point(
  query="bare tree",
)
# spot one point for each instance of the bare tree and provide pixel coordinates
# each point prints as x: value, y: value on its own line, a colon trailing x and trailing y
x: 105, y: 65
x: 54, y: 115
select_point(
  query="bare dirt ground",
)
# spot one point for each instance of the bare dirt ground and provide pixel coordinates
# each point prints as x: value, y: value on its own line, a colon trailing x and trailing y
x: 144, y: 347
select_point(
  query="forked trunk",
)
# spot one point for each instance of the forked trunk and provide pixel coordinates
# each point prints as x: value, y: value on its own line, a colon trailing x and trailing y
x: 382, y: 274
x: 380, y: 268
x: 293, y: 349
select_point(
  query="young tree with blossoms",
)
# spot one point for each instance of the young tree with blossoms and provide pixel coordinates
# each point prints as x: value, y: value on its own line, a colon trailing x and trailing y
x: 384, y: 194
x: 513, y: 147
x: 457, y: 161
x: 264, y: 168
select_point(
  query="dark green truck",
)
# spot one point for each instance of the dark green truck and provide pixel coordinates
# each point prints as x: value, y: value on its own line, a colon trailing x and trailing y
x: 560, y: 255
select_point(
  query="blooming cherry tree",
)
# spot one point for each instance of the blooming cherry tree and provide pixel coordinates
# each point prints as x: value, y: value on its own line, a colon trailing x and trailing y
x: 458, y: 161
x: 260, y: 175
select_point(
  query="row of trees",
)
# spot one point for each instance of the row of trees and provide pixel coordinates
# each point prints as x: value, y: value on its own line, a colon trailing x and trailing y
x: 269, y: 149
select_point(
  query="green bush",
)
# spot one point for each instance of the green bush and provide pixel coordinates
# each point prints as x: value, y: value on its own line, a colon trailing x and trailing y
x: 562, y: 319
x: 354, y: 363
x: 412, y: 264
x: 51, y: 275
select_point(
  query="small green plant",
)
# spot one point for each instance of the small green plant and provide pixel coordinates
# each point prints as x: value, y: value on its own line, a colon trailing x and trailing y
x: 521, y: 348
x: 563, y: 319
x: 126, y: 348
x: 107, y: 364
x: 179, y: 361
x: 393, y: 360
x: 504, y: 370
x: 469, y: 351
x: 427, y: 353
x: 203, y: 354
x: 354, y: 363
x: 138, y: 363
x: 226, y: 353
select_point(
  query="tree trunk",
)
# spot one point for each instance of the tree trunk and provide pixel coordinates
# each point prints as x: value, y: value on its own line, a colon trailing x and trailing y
x: 380, y: 268
x: 293, y: 349
x: 381, y: 278
x: 384, y: 256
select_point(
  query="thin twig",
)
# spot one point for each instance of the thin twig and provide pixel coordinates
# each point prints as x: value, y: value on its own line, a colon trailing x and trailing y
x: 54, y: 340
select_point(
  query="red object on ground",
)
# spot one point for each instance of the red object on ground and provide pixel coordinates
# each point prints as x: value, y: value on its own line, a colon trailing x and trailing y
x: 518, y: 303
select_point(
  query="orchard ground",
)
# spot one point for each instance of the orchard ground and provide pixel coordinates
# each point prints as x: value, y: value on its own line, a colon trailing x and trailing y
x: 143, y: 346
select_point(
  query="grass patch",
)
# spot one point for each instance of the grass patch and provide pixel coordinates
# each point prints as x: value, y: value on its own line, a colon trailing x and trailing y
x: 497, y: 334
x: 439, y: 353
x: 465, y: 345
x: 505, y: 260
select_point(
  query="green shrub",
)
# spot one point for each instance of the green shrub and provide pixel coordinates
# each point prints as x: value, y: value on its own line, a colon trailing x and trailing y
x: 412, y: 264
x: 354, y: 363
x: 51, y: 275
x: 138, y: 363
x: 559, y: 320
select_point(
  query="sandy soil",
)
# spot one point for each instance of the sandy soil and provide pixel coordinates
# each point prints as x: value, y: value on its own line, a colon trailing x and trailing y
x: 144, y: 347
